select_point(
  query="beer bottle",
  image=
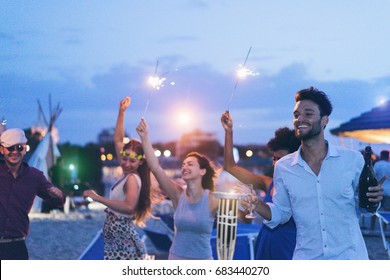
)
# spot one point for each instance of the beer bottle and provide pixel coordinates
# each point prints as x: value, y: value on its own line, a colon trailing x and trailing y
x: 367, y: 179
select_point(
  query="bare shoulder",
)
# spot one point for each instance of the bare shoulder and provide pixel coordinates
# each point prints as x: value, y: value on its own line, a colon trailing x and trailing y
x: 132, y: 182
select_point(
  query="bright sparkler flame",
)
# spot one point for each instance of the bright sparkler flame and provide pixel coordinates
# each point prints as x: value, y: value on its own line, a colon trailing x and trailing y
x: 156, y: 82
x: 243, y: 72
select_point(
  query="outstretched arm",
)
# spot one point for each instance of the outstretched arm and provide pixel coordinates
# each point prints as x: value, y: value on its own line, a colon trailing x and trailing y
x: 55, y: 196
x: 172, y: 189
x: 258, y: 181
x: 127, y: 206
x: 120, y: 127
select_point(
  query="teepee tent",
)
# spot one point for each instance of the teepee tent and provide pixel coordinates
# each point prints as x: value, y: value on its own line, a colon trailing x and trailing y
x: 46, y: 153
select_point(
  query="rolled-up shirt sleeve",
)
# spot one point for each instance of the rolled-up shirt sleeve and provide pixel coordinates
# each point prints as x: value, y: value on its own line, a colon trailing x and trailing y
x: 43, y: 192
x: 280, y: 207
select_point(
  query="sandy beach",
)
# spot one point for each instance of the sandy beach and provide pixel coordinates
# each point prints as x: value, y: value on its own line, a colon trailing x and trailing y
x: 59, y: 236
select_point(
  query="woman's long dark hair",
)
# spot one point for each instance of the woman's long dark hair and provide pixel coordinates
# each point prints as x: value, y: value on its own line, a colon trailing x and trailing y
x: 144, y: 206
x: 204, y: 163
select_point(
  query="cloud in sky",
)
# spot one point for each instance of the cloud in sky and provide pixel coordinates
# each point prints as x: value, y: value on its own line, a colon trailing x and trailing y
x: 326, y: 36
x: 88, y: 55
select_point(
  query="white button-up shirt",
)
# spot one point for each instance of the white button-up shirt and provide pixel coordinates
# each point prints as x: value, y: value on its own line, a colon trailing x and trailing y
x: 382, y: 168
x: 324, y: 207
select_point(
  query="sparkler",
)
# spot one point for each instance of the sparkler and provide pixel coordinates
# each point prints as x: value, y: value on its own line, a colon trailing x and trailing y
x: 133, y: 93
x: 242, y: 73
x: 157, y: 82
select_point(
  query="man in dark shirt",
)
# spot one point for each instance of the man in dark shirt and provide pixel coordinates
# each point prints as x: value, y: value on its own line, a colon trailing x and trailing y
x: 19, y: 185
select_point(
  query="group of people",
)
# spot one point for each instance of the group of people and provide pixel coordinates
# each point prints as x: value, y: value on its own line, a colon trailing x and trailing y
x: 309, y: 209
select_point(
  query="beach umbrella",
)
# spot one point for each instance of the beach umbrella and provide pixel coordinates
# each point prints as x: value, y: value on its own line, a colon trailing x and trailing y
x: 371, y: 127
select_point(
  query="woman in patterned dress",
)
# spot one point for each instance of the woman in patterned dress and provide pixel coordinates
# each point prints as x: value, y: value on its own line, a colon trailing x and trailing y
x: 129, y: 202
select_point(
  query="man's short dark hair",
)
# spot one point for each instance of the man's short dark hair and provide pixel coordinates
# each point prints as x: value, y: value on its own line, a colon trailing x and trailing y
x: 385, y: 155
x: 318, y: 97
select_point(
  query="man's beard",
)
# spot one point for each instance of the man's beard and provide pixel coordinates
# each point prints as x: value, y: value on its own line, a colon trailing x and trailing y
x: 311, y: 134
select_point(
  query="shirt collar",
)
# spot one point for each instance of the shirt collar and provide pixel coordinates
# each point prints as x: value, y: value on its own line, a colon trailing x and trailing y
x: 332, y: 152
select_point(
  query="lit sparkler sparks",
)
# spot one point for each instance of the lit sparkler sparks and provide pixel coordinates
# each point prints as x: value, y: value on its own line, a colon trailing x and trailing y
x: 156, y: 82
x: 242, y: 73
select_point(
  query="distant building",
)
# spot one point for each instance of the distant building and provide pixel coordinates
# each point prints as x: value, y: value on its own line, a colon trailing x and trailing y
x: 198, y: 141
x: 106, y: 136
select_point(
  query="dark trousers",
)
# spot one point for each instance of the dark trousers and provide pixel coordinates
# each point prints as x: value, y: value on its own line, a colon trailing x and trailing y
x: 14, y: 251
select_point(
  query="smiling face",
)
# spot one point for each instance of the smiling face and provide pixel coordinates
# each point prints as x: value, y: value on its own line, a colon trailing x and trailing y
x: 190, y: 169
x: 13, y: 155
x: 308, y: 123
x: 130, y: 161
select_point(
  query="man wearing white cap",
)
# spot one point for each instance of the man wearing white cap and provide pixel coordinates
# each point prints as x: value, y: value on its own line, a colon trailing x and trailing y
x: 19, y: 184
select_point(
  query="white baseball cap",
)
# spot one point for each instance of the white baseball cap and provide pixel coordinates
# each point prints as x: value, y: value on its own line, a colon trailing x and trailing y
x: 12, y: 136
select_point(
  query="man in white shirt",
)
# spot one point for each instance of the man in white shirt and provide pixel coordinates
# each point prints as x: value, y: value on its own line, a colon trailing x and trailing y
x: 316, y: 185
